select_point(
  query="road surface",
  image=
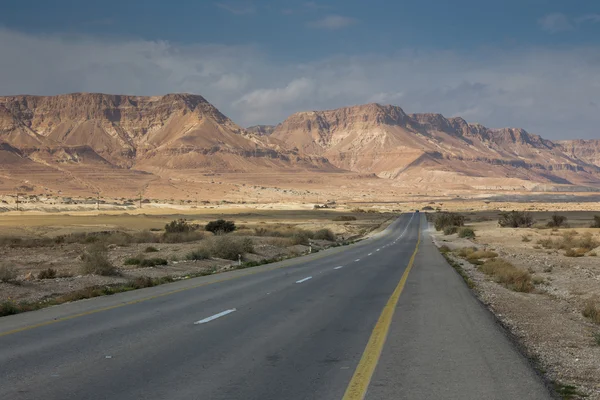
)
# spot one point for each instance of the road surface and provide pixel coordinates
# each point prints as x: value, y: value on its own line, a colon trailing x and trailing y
x: 385, y: 318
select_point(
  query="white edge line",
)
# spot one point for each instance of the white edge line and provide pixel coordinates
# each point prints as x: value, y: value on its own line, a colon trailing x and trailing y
x: 304, y: 280
x: 341, y: 266
x: 357, y: 260
x: 219, y: 315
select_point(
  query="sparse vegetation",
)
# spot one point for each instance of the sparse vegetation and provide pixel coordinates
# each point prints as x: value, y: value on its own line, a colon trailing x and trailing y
x: 596, y: 337
x: 220, y: 227
x: 575, y: 245
x: 443, y: 220
x: 228, y: 247
x: 466, y: 232
x: 198, y: 254
x: 324, y: 234
x: 508, y: 275
x: 459, y: 269
x: 568, y: 392
x: 179, y: 226
x: 444, y: 249
x: 596, y: 223
x: 525, y: 239
x: 151, y: 249
x: 450, y: 230
x: 95, y: 261
x: 7, y: 274
x: 557, y: 221
x: 345, y: 218
x: 49, y: 273
x: 591, y: 310
x: 515, y: 219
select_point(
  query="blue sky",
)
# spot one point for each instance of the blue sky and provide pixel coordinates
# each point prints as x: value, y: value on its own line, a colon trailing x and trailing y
x: 531, y: 63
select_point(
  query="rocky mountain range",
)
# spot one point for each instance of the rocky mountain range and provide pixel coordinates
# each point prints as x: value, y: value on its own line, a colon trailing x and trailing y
x: 103, y: 142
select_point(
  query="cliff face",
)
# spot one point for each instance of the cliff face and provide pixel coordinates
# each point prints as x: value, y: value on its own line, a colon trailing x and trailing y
x: 587, y: 150
x: 387, y: 141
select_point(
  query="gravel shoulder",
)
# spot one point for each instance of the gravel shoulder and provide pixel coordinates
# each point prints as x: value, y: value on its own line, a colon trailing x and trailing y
x: 548, y: 322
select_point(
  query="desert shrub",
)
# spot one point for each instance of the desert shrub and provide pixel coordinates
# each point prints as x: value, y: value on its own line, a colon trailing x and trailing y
x: 152, y: 262
x: 182, y: 237
x: 133, y: 261
x: 228, y: 247
x: 198, y: 254
x: 49, y: 273
x: 179, y: 226
x: 444, y: 249
x: 372, y: 211
x: 450, y: 230
x: 7, y: 274
x: 515, y: 219
x: 144, y: 237
x: 324, y: 234
x: 357, y: 211
x: 443, y: 220
x: 301, y: 237
x: 427, y: 208
x: 508, y: 275
x: 556, y: 221
x: 8, y: 308
x: 117, y: 238
x: 591, y: 310
x: 151, y: 249
x: 466, y: 232
x: 525, y: 238
x: 220, y: 226
x: 95, y: 261
x: 141, y: 282
x: 596, y: 223
x: 279, y: 242
x: 575, y: 252
x: 345, y: 218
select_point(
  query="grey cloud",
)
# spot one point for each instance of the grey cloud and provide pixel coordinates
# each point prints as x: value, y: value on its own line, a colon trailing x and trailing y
x: 546, y: 91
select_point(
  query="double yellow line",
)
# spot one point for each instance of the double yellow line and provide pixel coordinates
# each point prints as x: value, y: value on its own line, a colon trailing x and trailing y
x: 357, y: 389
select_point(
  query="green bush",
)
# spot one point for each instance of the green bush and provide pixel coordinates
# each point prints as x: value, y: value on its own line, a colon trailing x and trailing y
x: 556, y: 221
x: 220, y: 226
x: 443, y: 220
x: 179, y: 226
x: 49, y: 273
x: 466, y: 232
x: 515, y: 219
x: 152, y: 262
x: 95, y: 261
x: 324, y: 234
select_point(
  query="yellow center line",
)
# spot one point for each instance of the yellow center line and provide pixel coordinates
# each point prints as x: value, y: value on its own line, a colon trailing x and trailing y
x: 357, y: 388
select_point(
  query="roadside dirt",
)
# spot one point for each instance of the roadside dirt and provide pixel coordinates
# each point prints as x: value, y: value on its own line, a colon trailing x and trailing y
x: 548, y: 321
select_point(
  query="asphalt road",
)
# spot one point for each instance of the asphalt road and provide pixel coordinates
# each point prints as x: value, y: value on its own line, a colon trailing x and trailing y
x: 302, y: 329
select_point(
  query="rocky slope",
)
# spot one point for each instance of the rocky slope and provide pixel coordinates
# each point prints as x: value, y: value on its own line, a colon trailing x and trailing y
x: 431, y: 148
x: 261, y: 129
x: 587, y: 150
x: 90, y: 137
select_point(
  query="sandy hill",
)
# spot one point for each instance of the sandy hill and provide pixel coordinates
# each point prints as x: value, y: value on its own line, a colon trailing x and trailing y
x: 431, y: 148
x: 105, y: 141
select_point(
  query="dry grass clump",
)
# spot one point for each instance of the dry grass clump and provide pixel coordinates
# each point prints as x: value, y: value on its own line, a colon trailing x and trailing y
x: 95, y: 261
x: 575, y: 245
x: 515, y: 219
x: 473, y: 255
x: 49, y: 273
x: 508, y: 275
x: 466, y: 232
x: 591, y: 310
x: 446, y: 219
x: 7, y: 274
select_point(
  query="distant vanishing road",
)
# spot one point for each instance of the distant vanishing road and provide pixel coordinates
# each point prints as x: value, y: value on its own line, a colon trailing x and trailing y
x: 386, y: 318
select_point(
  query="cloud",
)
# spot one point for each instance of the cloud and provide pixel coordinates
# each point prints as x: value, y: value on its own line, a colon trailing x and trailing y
x: 593, y: 18
x: 556, y: 22
x: 333, y: 22
x: 546, y: 91
x: 239, y: 8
